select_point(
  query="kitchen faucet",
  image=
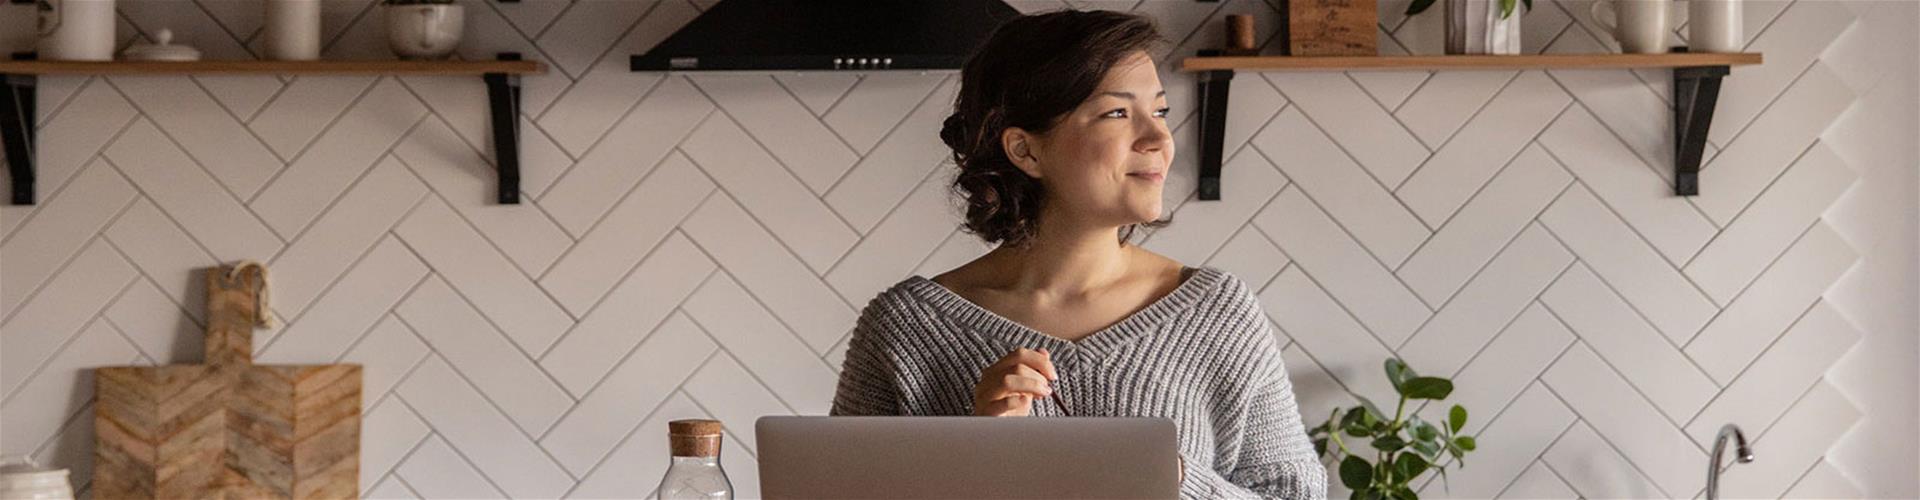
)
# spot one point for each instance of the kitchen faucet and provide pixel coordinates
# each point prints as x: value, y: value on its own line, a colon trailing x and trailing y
x: 1745, y: 455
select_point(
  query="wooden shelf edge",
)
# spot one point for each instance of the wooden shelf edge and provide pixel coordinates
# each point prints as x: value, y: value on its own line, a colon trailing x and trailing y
x: 1437, y: 62
x: 333, y: 67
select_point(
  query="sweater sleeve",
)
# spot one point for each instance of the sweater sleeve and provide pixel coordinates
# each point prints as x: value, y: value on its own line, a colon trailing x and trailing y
x: 867, y: 382
x: 1276, y: 458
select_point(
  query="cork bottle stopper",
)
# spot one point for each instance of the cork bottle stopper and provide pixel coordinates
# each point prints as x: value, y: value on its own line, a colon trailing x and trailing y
x: 1240, y: 32
x: 695, y: 437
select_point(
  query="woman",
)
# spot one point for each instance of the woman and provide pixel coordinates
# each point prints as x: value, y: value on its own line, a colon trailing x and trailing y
x: 1060, y: 134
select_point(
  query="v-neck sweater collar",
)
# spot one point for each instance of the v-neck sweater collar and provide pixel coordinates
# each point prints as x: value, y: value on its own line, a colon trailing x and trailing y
x: 1098, y: 345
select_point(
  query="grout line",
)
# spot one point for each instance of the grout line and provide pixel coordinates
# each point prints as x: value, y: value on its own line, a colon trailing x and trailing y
x: 432, y: 433
x: 67, y: 263
x: 332, y: 123
x: 1603, y: 437
x: 602, y: 379
x: 97, y: 155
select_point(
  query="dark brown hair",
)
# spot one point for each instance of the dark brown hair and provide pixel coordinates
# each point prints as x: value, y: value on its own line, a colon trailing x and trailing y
x: 1032, y: 71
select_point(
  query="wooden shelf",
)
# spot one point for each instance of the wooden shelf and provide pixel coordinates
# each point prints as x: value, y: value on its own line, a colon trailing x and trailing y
x: 1696, y: 81
x: 1466, y: 62
x: 336, y: 67
x: 19, y: 79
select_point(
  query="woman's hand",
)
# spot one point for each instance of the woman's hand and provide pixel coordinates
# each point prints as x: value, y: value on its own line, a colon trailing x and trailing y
x: 1009, y: 386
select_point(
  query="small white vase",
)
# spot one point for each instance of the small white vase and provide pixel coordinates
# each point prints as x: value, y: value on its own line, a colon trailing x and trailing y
x: 1475, y: 27
x: 292, y: 30
x: 424, y: 31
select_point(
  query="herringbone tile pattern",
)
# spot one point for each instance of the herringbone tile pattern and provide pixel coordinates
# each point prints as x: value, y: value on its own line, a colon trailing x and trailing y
x: 699, y: 246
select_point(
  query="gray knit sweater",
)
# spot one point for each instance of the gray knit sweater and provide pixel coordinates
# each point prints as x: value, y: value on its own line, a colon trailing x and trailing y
x: 1203, y: 356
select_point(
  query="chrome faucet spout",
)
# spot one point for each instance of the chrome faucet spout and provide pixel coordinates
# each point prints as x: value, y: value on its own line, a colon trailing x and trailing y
x: 1742, y: 454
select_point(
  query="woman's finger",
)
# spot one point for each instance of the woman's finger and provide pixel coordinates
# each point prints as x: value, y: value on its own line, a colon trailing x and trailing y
x: 1025, y: 383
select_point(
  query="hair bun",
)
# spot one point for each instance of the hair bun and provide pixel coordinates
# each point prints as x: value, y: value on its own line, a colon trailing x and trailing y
x: 954, y: 132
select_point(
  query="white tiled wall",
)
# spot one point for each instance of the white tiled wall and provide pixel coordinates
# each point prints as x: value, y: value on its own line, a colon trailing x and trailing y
x: 699, y: 246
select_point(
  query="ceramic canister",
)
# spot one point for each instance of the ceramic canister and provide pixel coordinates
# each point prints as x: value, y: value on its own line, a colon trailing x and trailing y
x: 76, y: 30
x: 21, y: 479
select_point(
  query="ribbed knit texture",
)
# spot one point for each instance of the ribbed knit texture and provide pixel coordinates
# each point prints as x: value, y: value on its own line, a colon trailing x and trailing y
x: 1204, y: 356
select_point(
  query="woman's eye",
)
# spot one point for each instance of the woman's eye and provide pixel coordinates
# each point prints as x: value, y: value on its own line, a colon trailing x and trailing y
x: 1122, y: 113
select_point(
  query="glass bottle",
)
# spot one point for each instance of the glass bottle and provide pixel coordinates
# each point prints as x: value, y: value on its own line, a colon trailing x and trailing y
x: 695, y: 471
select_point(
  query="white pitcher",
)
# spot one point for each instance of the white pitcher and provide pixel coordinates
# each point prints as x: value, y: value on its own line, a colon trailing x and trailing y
x: 1642, y: 25
x: 76, y: 30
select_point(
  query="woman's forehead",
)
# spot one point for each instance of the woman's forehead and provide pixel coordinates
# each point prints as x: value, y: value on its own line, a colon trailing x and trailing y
x: 1134, y: 75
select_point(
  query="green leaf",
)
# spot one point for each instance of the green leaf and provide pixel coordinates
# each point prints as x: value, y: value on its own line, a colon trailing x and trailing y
x: 1353, y: 418
x: 1356, y: 473
x: 1429, y: 449
x: 1418, y: 6
x: 1398, y: 373
x: 1457, y: 418
x: 1429, y: 388
x: 1410, y: 466
x: 1506, y: 8
x: 1320, y: 446
x: 1371, y: 409
x: 1464, y: 442
x: 1404, y: 493
x: 1424, y: 431
x: 1389, y: 443
x: 1357, y: 430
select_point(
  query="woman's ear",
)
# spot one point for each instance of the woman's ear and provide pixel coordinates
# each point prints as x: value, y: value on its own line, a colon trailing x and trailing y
x: 1020, y: 146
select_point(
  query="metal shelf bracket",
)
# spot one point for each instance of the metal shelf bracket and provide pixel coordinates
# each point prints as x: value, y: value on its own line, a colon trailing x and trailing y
x: 1696, y: 89
x: 503, y: 99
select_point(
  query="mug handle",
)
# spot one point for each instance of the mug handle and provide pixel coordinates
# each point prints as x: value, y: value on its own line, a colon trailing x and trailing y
x: 1594, y: 10
x: 46, y: 28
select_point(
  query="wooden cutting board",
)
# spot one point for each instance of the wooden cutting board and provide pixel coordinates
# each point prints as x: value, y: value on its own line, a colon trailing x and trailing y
x: 228, y: 428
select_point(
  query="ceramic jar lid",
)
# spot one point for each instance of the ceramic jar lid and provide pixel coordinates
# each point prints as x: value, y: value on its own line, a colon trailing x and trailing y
x: 161, y: 50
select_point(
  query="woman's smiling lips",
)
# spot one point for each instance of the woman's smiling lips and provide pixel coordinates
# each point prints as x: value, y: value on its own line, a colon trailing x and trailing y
x: 1150, y: 176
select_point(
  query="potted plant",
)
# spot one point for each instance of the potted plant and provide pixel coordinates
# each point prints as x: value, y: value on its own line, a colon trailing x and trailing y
x: 1478, y: 26
x: 1403, y: 447
x: 423, y: 29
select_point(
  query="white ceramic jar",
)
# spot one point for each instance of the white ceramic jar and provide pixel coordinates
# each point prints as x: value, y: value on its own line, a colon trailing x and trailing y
x: 424, y: 31
x: 292, y: 30
x: 22, y: 479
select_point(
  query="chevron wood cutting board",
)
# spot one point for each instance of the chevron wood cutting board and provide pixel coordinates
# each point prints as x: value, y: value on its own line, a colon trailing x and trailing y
x: 228, y: 428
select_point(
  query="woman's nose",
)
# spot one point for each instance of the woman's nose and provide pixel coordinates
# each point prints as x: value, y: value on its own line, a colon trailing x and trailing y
x: 1154, y: 137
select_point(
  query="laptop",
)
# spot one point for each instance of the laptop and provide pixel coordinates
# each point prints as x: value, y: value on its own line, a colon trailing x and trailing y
x: 967, y: 457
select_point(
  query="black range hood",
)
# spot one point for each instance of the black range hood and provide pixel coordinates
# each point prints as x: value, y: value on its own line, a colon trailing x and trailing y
x: 828, y: 35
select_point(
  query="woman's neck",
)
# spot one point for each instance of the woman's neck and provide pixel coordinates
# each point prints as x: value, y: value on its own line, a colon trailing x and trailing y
x: 1065, y: 262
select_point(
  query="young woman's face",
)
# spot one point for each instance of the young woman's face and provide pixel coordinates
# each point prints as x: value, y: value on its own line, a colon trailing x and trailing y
x: 1106, y: 161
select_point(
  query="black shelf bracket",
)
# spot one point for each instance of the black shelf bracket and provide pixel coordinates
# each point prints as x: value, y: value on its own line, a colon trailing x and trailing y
x: 1695, y: 91
x: 503, y: 98
x: 17, y: 117
x: 1213, y: 127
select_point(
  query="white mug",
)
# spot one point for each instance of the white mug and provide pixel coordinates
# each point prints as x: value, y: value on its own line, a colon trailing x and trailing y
x: 1714, y: 26
x: 1642, y: 25
x: 76, y: 30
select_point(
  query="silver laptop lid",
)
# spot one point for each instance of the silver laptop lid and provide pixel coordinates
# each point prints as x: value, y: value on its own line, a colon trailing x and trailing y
x: 967, y: 457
